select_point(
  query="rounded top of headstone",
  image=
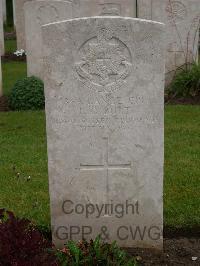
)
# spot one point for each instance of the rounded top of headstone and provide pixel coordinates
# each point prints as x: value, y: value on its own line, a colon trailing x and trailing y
x: 99, y: 18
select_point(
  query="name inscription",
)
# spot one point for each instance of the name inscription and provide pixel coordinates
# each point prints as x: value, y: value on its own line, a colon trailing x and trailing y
x: 105, y: 112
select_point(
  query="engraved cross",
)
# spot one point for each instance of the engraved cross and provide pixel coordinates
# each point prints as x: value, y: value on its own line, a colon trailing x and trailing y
x: 106, y: 165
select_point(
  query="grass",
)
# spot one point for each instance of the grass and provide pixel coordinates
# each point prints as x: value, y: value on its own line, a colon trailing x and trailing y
x: 10, y: 46
x: 12, y: 71
x: 8, y: 27
x: 182, y: 166
x: 23, y: 150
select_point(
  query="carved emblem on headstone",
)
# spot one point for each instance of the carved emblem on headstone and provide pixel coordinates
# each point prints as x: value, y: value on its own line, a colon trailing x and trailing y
x: 104, y: 59
x: 110, y: 9
x: 176, y: 10
x: 47, y: 11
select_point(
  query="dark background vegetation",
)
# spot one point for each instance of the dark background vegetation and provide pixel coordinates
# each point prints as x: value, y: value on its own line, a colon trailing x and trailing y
x: 9, y: 8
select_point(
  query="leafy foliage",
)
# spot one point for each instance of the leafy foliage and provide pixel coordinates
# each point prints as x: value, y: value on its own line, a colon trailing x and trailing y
x: 27, y: 94
x: 21, y: 244
x: 186, y: 83
x: 94, y: 253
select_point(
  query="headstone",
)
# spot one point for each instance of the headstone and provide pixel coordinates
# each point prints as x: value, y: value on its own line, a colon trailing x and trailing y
x: 14, y: 16
x: 4, y: 10
x: 88, y: 8
x: 182, y: 19
x: 104, y: 88
x: 1, y: 29
x: 38, y: 13
x: 20, y: 23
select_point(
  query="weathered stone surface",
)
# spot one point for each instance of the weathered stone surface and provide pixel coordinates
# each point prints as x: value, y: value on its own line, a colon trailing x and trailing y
x: 52, y: 11
x: 104, y: 107
x: 81, y: 8
x: 4, y: 10
x: 1, y: 29
x: 38, y: 13
x: 20, y: 23
x: 182, y: 19
x: 87, y: 8
x: 14, y: 16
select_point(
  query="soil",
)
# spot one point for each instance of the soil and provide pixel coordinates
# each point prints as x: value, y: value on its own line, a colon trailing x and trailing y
x: 184, y: 101
x: 12, y: 57
x: 4, y: 104
x: 177, y: 252
x: 10, y: 35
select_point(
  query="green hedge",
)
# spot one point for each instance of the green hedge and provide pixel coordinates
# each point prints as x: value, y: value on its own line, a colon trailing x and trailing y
x: 27, y: 94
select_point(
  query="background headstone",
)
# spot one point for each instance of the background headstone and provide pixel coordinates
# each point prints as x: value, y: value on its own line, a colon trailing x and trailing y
x: 38, y: 13
x: 20, y: 23
x: 88, y: 8
x: 182, y: 19
x: 14, y: 16
x: 104, y: 89
x: 81, y: 8
x: 1, y: 29
x: 4, y: 10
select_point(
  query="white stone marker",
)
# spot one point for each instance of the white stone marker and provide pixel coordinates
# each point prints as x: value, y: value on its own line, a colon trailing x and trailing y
x: 14, y: 16
x: 87, y: 8
x: 38, y: 13
x: 182, y: 19
x: 20, y: 23
x: 4, y: 10
x: 1, y: 29
x: 104, y: 87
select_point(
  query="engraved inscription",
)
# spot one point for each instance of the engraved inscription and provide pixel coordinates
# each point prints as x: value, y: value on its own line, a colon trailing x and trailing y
x: 105, y: 112
x: 104, y: 59
x: 110, y: 9
x: 176, y: 10
x: 47, y: 14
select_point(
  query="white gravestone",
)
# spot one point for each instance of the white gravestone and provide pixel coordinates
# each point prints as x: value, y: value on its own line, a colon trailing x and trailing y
x: 104, y: 89
x: 38, y: 13
x: 81, y: 8
x: 88, y: 8
x: 182, y: 19
x: 20, y: 23
x: 14, y: 16
x: 1, y: 29
x: 20, y: 20
x: 4, y: 10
